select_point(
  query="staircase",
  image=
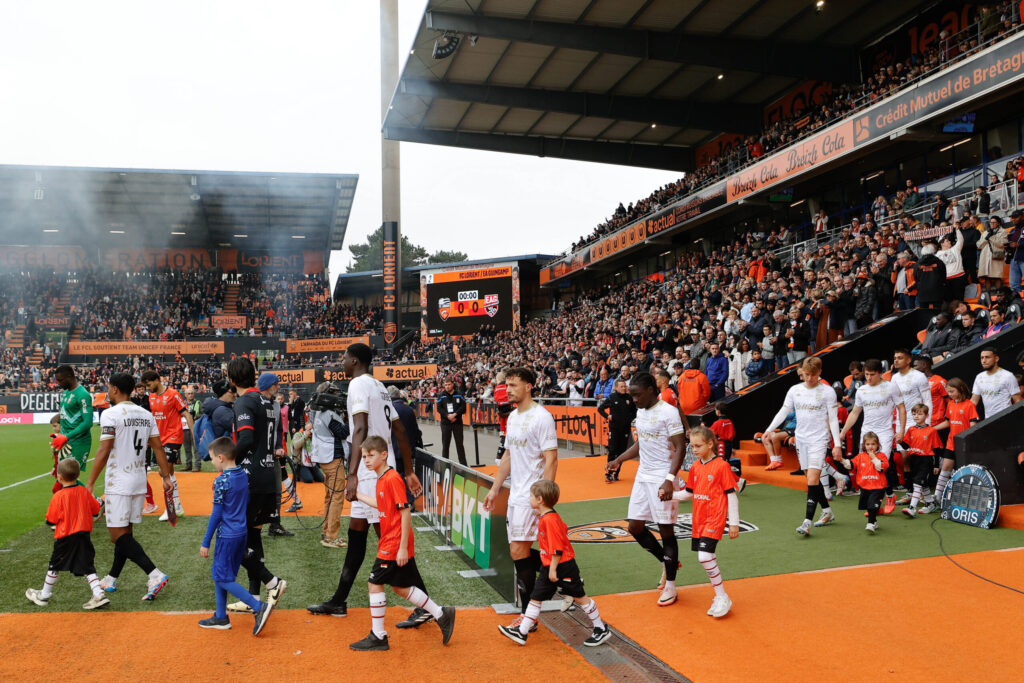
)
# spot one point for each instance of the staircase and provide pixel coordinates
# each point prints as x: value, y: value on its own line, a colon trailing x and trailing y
x: 17, y: 339
x: 231, y: 300
x: 35, y: 358
x: 62, y: 304
x: 76, y: 333
x: 754, y: 459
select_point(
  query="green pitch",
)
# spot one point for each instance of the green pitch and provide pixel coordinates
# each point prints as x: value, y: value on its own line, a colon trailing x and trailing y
x: 25, y: 453
x: 312, y: 571
x: 775, y: 548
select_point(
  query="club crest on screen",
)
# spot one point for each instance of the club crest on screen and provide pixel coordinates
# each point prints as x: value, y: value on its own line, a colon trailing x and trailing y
x: 491, y: 304
x: 444, y: 307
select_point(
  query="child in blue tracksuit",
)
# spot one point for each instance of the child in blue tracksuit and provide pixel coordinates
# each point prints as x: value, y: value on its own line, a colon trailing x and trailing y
x: 230, y: 500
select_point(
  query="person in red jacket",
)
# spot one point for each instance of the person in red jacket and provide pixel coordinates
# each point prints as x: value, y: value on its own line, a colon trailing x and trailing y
x: 504, y: 408
x: 694, y: 389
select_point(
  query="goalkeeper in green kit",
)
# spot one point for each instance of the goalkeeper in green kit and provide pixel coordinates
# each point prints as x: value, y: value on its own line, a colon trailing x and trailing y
x: 75, y: 414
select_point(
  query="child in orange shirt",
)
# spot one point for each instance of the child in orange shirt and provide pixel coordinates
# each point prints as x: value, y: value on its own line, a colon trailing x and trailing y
x: 395, y: 565
x: 868, y: 471
x: 71, y: 513
x: 922, y: 442
x: 725, y: 432
x: 712, y: 486
x: 556, y: 554
x: 961, y: 414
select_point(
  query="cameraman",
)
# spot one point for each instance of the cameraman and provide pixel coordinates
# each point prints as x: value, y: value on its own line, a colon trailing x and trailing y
x: 329, y: 431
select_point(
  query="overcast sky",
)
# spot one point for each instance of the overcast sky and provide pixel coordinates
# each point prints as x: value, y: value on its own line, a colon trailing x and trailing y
x: 286, y: 87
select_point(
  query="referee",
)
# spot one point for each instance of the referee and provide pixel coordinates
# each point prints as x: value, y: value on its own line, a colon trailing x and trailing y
x: 450, y: 409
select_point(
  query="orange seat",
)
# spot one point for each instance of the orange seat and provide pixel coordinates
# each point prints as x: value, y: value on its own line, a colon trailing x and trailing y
x: 887, y: 375
x: 847, y: 381
x: 921, y: 335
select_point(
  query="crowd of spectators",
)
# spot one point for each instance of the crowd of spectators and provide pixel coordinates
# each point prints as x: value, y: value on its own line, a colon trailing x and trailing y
x: 300, y: 306
x: 990, y: 22
x: 735, y: 314
x: 166, y: 305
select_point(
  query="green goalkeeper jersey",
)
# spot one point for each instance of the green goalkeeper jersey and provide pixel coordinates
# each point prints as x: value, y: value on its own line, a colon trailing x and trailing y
x: 76, y: 415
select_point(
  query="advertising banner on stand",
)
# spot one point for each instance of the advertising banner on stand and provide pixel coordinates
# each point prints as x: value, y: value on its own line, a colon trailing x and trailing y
x: 453, y: 506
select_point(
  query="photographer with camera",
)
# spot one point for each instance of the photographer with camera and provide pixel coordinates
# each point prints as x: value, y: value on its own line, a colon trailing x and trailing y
x: 328, y: 428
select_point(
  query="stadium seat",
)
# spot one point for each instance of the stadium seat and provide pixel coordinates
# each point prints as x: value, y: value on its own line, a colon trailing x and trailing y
x: 847, y: 381
x: 921, y: 335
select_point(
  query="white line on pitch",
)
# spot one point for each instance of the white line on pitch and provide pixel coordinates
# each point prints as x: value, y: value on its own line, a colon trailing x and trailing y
x: 38, y: 476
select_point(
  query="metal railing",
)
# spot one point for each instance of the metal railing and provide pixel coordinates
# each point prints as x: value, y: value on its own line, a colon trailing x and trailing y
x: 1004, y: 197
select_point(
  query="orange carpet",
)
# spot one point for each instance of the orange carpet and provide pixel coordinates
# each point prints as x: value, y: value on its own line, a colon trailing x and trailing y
x: 294, y: 646
x: 1011, y: 517
x: 583, y: 479
x: 841, y: 624
x: 196, y: 491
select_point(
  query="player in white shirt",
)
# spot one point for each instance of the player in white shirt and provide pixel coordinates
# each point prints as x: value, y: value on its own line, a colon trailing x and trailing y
x: 660, y: 447
x: 817, y: 417
x: 913, y: 383
x: 878, y: 403
x: 531, y: 444
x: 125, y: 431
x: 370, y: 413
x: 995, y: 388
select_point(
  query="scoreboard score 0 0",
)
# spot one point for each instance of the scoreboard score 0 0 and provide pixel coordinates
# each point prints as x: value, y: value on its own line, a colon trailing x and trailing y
x: 971, y: 497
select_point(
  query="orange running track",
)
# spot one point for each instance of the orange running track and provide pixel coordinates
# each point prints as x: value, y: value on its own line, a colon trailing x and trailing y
x: 914, y: 620
x: 294, y: 646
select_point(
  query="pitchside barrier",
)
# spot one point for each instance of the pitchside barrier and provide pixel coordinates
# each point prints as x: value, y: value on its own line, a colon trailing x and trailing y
x: 453, y: 506
x: 995, y: 443
x: 573, y: 424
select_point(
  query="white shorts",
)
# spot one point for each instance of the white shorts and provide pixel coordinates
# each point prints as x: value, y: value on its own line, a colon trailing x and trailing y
x: 885, y: 440
x: 360, y: 510
x: 811, y: 454
x: 123, y: 510
x: 521, y: 521
x: 645, y: 506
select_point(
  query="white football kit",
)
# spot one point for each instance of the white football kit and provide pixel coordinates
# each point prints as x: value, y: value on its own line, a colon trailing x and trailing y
x: 915, y: 389
x: 878, y: 403
x: 996, y: 390
x: 527, y: 435
x: 817, y: 417
x: 124, y: 478
x: 654, y: 426
x: 367, y: 395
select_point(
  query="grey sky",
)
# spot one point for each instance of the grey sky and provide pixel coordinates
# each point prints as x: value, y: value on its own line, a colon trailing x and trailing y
x: 259, y: 86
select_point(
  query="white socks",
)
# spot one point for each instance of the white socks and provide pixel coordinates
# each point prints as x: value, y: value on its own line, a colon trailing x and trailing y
x: 530, y: 618
x: 94, y: 584
x: 710, y: 563
x: 423, y: 601
x: 595, y: 616
x: 51, y: 579
x: 940, y: 485
x: 378, y: 607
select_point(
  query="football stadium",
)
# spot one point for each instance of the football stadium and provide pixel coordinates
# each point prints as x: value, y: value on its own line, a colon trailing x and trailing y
x: 771, y: 408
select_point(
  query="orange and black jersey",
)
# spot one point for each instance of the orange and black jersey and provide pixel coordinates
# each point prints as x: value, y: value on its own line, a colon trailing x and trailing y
x: 553, y: 539
x: 391, y: 500
x: 961, y: 415
x: 71, y: 510
x: 922, y: 440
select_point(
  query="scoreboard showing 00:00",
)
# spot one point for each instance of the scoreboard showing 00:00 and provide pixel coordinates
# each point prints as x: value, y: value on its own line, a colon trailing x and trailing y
x: 461, y: 302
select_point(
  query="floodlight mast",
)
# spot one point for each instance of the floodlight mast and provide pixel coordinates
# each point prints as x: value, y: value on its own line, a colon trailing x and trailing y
x: 391, y: 187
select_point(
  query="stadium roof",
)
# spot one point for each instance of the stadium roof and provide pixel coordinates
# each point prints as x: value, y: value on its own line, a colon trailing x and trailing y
x: 42, y: 205
x: 629, y: 82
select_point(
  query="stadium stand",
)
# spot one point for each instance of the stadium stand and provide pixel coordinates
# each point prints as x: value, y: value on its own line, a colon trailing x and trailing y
x: 989, y: 24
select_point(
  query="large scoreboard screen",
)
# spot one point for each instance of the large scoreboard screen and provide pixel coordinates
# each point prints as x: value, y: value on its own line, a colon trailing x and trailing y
x: 460, y: 301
